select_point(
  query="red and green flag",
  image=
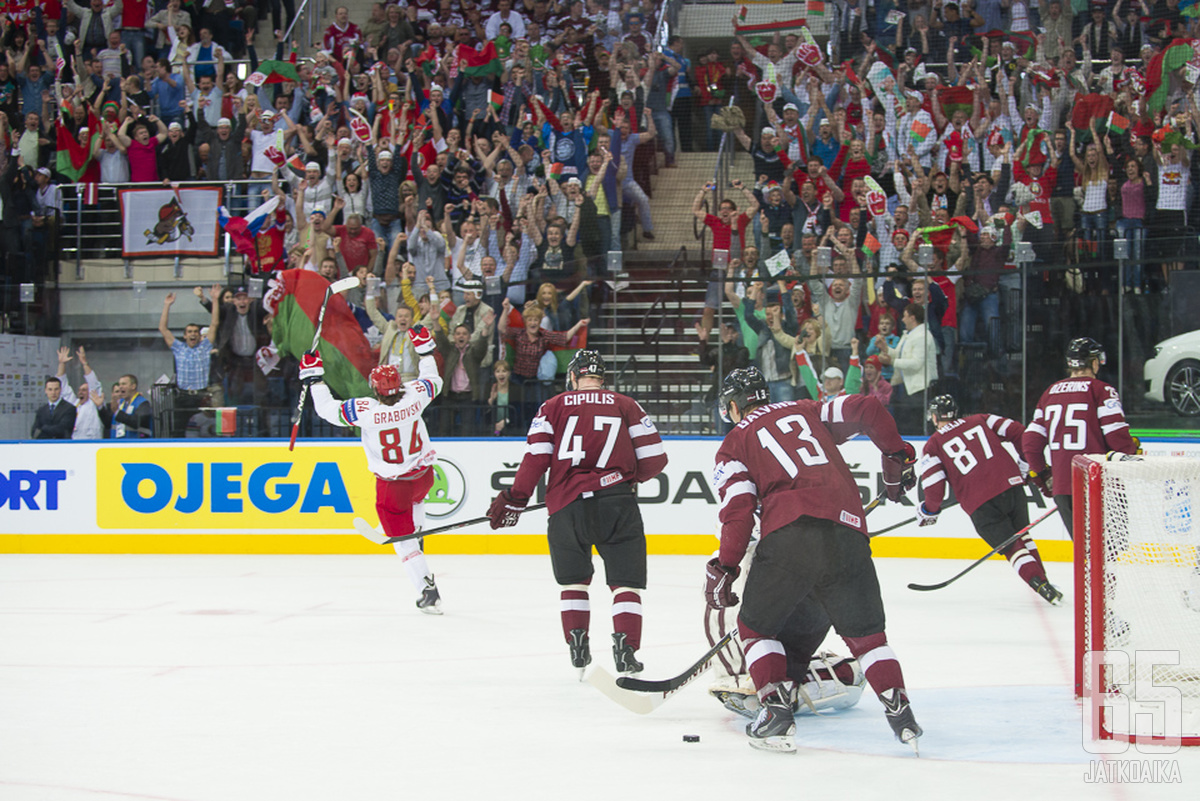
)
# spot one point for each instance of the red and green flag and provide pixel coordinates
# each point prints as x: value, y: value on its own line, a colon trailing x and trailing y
x: 815, y: 8
x: 427, y: 60
x: 771, y: 27
x: 274, y: 71
x: 1174, y: 56
x: 225, y: 421
x: 920, y: 131
x: 742, y: 12
x: 1117, y: 123
x: 295, y: 298
x: 871, y: 245
x: 956, y: 98
x: 556, y: 170
x: 1087, y: 108
x: 473, y: 63
x: 73, y: 159
x: 496, y: 101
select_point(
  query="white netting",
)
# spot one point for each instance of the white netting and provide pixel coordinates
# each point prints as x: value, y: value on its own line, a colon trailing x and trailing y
x: 1150, y: 582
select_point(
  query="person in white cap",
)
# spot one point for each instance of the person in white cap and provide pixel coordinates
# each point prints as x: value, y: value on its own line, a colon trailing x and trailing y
x: 224, y: 162
x: 317, y: 190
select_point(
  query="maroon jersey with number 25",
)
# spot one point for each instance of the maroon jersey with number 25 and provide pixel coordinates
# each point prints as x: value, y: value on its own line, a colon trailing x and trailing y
x: 591, y: 440
x: 969, y: 454
x: 785, y: 456
x: 1075, y: 416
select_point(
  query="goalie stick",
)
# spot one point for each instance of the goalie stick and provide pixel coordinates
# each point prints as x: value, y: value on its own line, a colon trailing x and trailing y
x: 334, y: 288
x: 379, y: 538
x: 671, y: 686
x: 984, y: 558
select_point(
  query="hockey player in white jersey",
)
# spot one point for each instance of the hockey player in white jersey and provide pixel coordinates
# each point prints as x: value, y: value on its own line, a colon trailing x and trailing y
x: 399, y: 452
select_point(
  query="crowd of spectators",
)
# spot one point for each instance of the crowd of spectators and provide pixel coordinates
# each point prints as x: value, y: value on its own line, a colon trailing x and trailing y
x: 897, y: 184
x: 460, y: 157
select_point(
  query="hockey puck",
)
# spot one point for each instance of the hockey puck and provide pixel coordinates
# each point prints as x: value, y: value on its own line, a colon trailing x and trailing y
x: 691, y: 738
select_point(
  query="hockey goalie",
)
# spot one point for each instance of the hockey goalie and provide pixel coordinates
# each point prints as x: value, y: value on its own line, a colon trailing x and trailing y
x: 823, y: 681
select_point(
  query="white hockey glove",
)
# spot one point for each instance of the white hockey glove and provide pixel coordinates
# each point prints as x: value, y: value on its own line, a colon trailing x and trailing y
x: 926, y: 517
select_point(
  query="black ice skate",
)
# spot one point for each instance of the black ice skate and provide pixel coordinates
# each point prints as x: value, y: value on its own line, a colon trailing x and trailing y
x: 772, y: 730
x: 900, y: 717
x: 1046, y: 590
x: 581, y: 650
x: 430, y: 601
x: 623, y: 656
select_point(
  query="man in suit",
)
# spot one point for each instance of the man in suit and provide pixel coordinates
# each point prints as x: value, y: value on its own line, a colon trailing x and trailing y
x: 55, y: 420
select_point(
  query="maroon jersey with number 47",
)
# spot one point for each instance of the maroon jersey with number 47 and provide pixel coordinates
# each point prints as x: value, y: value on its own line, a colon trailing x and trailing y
x: 785, y: 456
x: 969, y: 455
x: 590, y: 440
x: 1075, y: 416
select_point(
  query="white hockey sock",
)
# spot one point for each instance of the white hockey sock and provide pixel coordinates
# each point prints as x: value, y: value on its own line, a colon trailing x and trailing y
x: 414, y: 561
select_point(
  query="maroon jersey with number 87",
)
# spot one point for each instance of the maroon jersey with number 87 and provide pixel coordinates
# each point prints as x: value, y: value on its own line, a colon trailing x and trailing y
x: 969, y: 455
x: 591, y: 440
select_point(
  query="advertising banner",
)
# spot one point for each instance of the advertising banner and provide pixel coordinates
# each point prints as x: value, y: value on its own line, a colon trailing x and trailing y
x: 170, y: 222
x: 256, y: 497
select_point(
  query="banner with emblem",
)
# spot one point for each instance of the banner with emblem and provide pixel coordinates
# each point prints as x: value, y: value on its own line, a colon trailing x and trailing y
x: 170, y: 222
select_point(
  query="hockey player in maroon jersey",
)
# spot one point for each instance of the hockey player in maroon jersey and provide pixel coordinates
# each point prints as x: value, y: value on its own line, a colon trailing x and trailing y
x: 814, y: 548
x: 967, y: 453
x: 597, y: 445
x: 1075, y: 416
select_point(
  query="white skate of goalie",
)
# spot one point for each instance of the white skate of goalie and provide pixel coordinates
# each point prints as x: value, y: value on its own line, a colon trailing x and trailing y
x: 833, y: 682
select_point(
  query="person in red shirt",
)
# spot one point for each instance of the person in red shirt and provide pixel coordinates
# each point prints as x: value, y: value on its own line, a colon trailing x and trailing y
x: 354, y: 241
x: 342, y: 33
x: 781, y: 460
x: 968, y: 455
x: 722, y: 224
x: 598, y: 445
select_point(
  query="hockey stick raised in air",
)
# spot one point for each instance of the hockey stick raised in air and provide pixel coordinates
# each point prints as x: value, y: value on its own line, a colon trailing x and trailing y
x: 669, y: 686
x: 334, y: 288
x: 982, y: 559
x: 904, y: 523
x: 375, y: 536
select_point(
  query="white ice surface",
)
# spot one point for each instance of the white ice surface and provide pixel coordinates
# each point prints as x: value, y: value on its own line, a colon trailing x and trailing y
x: 220, y: 678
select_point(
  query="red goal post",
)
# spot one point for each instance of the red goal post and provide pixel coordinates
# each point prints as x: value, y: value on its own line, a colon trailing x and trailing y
x: 1137, y: 596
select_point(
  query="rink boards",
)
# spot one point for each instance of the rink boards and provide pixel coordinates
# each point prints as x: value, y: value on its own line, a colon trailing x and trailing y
x: 247, y: 496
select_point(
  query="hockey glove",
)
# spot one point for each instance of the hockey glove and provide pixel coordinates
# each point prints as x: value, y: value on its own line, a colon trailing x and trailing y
x: 899, y: 472
x: 926, y: 517
x: 311, y: 368
x: 1043, y: 481
x: 718, y: 584
x: 1023, y: 466
x: 422, y: 340
x: 506, y: 510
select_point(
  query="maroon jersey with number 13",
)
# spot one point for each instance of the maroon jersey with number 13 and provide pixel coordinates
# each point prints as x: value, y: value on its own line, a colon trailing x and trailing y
x: 785, y: 456
x: 591, y: 440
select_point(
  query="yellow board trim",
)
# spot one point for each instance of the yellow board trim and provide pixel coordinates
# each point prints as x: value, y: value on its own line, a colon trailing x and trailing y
x: 657, y: 544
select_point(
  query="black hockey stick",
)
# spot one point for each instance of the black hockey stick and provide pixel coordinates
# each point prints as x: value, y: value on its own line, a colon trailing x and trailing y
x: 379, y: 539
x: 334, y: 288
x: 982, y: 559
x: 668, y: 686
x: 672, y: 685
x: 904, y: 523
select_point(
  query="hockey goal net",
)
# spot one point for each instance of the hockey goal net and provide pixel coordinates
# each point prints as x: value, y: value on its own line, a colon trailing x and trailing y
x: 1137, y: 596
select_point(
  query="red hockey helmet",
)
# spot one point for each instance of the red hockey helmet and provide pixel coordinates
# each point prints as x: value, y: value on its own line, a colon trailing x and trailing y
x: 385, y: 380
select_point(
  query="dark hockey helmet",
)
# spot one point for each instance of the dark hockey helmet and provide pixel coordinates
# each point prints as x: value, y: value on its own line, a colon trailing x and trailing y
x: 746, y: 387
x: 944, y: 407
x: 1082, y: 350
x: 586, y: 363
x: 385, y: 380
